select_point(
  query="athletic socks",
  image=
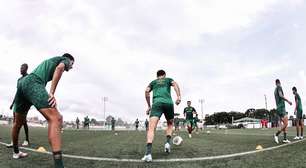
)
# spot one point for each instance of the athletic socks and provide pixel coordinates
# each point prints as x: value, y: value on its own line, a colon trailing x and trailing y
x: 58, y: 161
x: 149, y: 148
x: 278, y: 132
x: 285, y: 135
x: 168, y: 139
x: 16, y: 148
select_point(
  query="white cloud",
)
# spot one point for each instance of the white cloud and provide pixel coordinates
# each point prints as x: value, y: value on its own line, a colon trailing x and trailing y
x: 119, y: 46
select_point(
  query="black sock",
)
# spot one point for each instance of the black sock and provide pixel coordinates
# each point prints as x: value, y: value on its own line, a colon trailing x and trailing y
x: 26, y: 130
x: 149, y: 148
x: 285, y: 135
x: 278, y: 132
x: 16, y: 148
x: 168, y: 139
x: 58, y: 161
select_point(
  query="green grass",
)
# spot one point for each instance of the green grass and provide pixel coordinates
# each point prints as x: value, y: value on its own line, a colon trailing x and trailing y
x: 130, y: 145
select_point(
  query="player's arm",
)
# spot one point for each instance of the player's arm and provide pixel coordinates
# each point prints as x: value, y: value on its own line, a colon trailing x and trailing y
x: 296, y: 104
x: 280, y: 93
x: 11, y: 106
x: 184, y: 112
x: 194, y: 111
x: 147, y: 95
x: 56, y: 77
x: 177, y: 91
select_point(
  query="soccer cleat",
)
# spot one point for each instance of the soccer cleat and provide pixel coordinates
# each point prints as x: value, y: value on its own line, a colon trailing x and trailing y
x: 167, y: 148
x: 147, y: 158
x: 25, y: 143
x: 19, y: 155
x: 9, y: 145
x: 296, y: 138
x: 286, y: 141
x: 301, y: 137
x: 190, y: 136
x: 276, y: 139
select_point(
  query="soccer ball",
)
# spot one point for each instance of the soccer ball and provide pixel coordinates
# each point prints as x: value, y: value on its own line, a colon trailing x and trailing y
x: 177, y: 140
x: 208, y: 132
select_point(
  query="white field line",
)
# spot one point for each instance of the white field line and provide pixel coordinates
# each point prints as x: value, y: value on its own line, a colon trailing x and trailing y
x: 167, y: 160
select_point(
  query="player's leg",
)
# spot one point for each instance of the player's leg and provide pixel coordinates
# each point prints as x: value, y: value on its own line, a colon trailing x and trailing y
x: 150, y: 137
x: 19, y: 121
x: 302, y: 128
x: 54, y: 128
x: 155, y: 115
x: 285, y: 128
x: 297, y: 122
x: 26, y: 131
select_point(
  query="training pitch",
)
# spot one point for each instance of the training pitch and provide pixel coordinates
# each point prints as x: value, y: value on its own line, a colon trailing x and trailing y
x: 220, y: 148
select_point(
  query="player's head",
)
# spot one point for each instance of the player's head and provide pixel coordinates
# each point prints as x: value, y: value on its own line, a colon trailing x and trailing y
x: 277, y: 82
x: 188, y: 103
x: 71, y: 60
x: 160, y: 73
x: 294, y: 90
x: 24, y: 69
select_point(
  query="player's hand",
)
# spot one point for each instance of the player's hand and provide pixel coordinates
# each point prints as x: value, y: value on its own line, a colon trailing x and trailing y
x: 290, y: 103
x: 178, y: 101
x: 11, y: 107
x: 148, y: 110
x: 294, y: 112
x: 52, y: 100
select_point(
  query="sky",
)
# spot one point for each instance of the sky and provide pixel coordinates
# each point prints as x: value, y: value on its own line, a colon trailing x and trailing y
x: 227, y: 53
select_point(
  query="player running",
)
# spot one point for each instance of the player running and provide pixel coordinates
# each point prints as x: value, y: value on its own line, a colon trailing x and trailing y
x: 298, y: 111
x: 24, y: 73
x: 162, y: 104
x: 281, y: 111
x: 31, y: 91
x: 189, y: 111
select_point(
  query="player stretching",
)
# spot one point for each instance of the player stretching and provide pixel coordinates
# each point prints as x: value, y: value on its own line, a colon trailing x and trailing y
x: 298, y: 111
x: 188, y: 113
x: 281, y: 111
x: 31, y: 91
x: 162, y: 104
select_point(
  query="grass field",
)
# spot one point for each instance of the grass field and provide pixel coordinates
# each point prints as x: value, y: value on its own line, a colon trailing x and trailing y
x: 130, y: 145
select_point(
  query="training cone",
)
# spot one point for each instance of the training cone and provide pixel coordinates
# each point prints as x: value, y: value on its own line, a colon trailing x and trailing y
x: 259, y: 147
x: 41, y: 149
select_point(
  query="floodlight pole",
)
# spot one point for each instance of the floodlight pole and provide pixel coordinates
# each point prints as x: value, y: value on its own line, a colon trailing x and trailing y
x: 104, y: 99
x: 202, y: 101
x: 266, y: 102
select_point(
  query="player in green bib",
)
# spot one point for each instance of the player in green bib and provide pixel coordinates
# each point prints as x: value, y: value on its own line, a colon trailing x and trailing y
x: 24, y: 73
x: 162, y: 104
x: 189, y: 111
x: 298, y: 111
x: 31, y: 91
x: 281, y: 111
x: 195, y: 122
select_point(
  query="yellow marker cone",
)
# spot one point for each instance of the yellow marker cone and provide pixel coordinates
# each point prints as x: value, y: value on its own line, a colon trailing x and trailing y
x: 41, y: 149
x: 259, y: 147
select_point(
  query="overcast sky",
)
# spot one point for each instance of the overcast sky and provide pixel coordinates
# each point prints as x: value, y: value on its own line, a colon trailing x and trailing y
x: 228, y: 53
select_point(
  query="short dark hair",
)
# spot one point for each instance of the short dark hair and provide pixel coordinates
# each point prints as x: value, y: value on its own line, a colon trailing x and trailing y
x: 277, y: 81
x: 294, y: 89
x: 25, y: 64
x: 160, y: 73
x: 69, y: 56
x: 188, y: 101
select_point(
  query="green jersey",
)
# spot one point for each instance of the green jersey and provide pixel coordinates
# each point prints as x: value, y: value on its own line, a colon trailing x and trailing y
x: 188, y: 111
x: 299, y: 105
x: 162, y: 90
x: 18, y: 81
x: 280, y: 102
x: 46, y: 69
